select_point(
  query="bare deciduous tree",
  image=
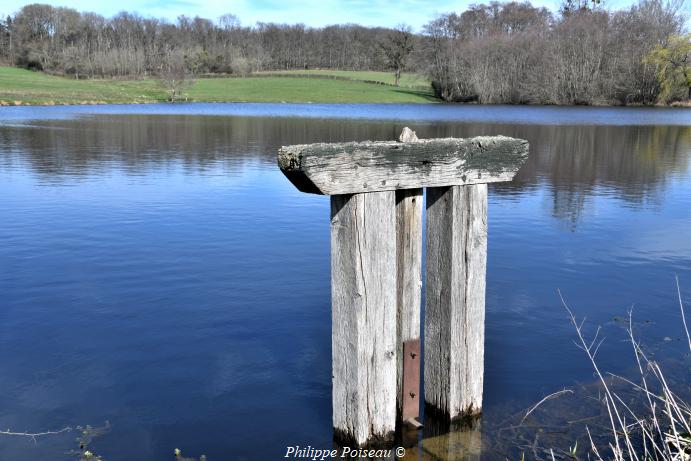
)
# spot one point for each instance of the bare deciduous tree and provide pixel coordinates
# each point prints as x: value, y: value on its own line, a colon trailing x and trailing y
x: 397, y: 47
x: 174, y: 77
x: 516, y: 53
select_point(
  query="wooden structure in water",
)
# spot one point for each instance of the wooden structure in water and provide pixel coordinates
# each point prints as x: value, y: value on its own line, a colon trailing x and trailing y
x: 376, y: 191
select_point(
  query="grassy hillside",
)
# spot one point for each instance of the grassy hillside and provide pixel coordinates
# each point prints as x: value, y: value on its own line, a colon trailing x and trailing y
x: 18, y: 86
x: 278, y: 89
x: 407, y: 80
x: 27, y: 87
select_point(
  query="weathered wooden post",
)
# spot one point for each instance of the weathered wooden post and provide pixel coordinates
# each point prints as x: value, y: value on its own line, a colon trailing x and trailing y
x: 455, y: 299
x: 408, y: 294
x: 376, y: 219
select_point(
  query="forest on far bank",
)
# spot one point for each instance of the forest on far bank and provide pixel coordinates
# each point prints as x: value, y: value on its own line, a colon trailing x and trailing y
x: 490, y: 53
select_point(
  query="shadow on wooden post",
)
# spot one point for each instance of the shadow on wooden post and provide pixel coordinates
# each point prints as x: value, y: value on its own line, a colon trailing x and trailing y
x: 376, y: 242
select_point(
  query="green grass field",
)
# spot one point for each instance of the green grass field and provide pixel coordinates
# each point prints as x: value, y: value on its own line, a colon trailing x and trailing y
x: 19, y: 86
x: 281, y: 89
x: 27, y: 87
x: 407, y: 80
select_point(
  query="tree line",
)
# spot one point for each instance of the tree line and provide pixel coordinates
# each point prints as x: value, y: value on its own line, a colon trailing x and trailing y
x: 63, y: 40
x: 517, y: 53
x: 490, y: 53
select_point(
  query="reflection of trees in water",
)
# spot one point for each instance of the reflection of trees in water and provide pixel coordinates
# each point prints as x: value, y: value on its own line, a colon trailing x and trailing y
x: 135, y: 144
x: 568, y: 205
x: 633, y: 163
x: 138, y: 143
x: 630, y: 162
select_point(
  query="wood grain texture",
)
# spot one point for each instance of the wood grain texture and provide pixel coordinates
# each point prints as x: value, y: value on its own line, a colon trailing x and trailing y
x: 408, y: 271
x: 455, y: 299
x: 363, y: 289
x: 357, y: 167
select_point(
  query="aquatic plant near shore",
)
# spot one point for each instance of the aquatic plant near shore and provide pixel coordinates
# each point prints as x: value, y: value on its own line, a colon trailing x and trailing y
x: 86, y: 435
x: 178, y: 456
x: 660, y: 432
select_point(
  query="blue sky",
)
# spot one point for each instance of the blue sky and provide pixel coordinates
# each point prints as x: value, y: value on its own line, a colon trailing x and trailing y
x: 309, y: 12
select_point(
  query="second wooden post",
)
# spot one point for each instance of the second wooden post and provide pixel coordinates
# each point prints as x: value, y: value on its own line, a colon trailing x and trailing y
x: 455, y: 299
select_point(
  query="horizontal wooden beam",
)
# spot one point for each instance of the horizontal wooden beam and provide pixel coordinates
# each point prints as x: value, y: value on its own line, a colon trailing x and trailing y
x: 357, y: 167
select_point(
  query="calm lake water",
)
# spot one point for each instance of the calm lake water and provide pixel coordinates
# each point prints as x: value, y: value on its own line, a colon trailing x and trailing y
x: 157, y: 271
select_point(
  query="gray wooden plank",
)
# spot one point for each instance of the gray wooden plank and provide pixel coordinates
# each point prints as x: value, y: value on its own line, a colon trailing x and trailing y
x: 357, y: 167
x: 455, y: 299
x: 408, y: 272
x: 363, y: 287
x: 409, y: 269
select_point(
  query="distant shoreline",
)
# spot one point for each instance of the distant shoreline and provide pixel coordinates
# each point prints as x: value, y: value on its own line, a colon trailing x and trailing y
x: 20, y: 87
x: 76, y: 103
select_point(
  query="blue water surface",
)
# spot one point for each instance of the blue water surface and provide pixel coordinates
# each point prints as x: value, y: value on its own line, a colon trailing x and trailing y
x: 157, y: 271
